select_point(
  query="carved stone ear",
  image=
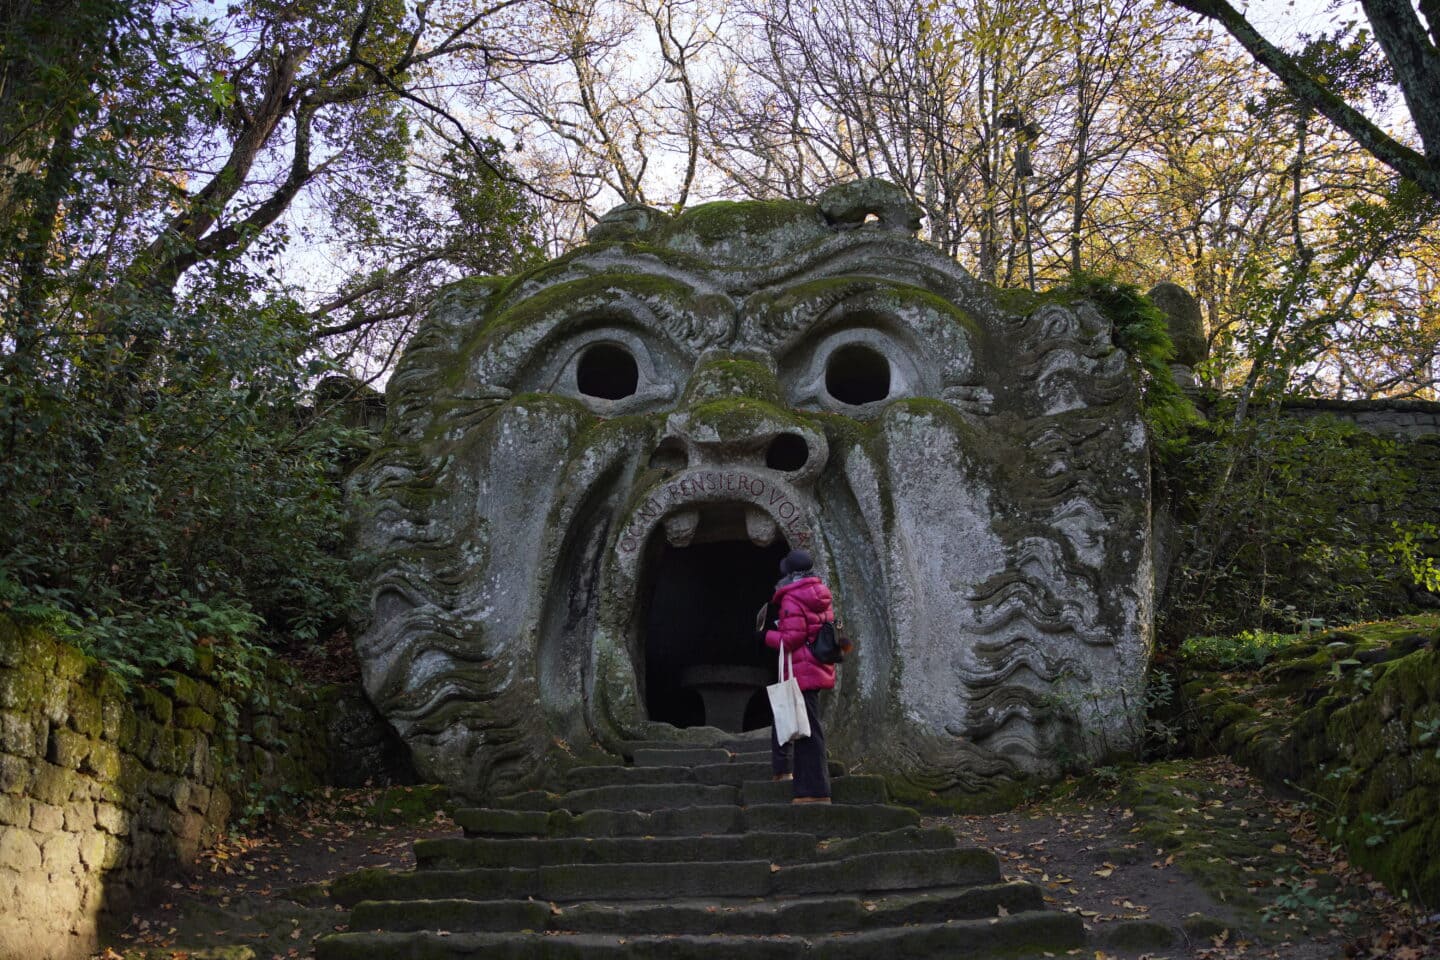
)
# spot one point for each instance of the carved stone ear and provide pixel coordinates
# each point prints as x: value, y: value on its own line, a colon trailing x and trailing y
x: 849, y: 205
x: 629, y: 221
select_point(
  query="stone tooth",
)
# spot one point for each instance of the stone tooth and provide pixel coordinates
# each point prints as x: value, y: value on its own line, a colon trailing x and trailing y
x: 680, y: 527
x: 760, y: 526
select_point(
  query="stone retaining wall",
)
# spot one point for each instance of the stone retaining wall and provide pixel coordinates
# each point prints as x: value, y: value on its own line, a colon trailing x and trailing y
x: 1354, y: 724
x: 1404, y: 418
x: 103, y: 790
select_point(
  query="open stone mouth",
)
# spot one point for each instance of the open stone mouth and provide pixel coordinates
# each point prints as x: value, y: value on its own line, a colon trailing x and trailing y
x: 715, y: 522
x: 705, y: 571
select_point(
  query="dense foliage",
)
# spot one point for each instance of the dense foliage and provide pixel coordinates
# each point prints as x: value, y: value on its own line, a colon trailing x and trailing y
x: 168, y: 475
x: 1285, y: 520
x: 199, y: 509
x: 1141, y: 330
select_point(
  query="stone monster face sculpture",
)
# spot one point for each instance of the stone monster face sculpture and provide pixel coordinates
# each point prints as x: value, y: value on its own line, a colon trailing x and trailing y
x: 590, y: 472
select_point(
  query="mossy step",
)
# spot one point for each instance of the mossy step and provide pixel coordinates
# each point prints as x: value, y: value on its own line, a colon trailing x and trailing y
x: 731, y: 774
x: 1018, y: 935
x: 680, y: 756
x: 816, y: 819
x: 640, y: 796
x: 890, y: 870
x: 462, y: 853
x: 852, y: 789
x: 895, y: 870
x: 590, y: 881
x: 458, y: 853
x: 682, y: 821
x: 746, y: 747
x: 828, y: 819
x: 788, y: 915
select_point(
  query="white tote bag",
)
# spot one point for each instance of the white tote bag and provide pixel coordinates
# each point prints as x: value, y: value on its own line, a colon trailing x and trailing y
x: 788, y: 705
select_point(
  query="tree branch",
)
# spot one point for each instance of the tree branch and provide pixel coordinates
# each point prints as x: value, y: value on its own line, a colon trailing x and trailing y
x: 1405, y: 161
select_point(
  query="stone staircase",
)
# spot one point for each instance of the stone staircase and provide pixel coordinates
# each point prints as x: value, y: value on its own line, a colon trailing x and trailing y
x: 693, y: 852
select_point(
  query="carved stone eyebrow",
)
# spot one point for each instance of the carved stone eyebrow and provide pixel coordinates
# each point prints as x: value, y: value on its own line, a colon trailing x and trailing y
x: 690, y: 319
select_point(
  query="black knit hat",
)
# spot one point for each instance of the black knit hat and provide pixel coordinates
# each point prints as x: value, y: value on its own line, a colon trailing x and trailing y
x: 796, y: 560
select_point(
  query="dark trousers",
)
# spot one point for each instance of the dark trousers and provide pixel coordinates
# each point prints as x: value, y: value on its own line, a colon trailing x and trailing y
x: 812, y: 772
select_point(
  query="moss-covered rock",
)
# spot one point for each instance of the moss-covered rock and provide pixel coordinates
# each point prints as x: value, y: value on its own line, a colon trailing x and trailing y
x: 1352, y: 717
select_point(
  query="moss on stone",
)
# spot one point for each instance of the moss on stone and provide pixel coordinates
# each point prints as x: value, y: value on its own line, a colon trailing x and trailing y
x: 723, y: 220
x: 569, y: 296
x: 892, y: 296
x: 1342, y: 715
x: 409, y: 805
x: 733, y: 377
x: 998, y: 796
x: 737, y: 416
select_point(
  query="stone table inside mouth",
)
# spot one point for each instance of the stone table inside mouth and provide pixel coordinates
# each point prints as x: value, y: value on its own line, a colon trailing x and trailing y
x: 726, y: 690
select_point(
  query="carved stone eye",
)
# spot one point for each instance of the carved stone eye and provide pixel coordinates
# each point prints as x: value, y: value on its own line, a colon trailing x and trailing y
x: 607, y: 371
x: 857, y: 374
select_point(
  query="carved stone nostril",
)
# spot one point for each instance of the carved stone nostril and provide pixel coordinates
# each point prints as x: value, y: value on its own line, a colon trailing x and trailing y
x: 788, y: 452
x: 670, y: 455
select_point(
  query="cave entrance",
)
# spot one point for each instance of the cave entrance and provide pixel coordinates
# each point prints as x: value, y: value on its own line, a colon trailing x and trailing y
x: 704, y: 665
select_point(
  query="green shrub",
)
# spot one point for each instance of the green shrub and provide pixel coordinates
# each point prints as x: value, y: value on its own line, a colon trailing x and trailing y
x: 1283, y: 520
x: 198, y: 506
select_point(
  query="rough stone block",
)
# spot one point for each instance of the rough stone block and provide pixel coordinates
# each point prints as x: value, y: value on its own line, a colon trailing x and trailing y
x: 14, y: 774
x: 103, y: 761
x: 157, y: 704
x: 13, y: 643
x: 164, y: 754
x: 92, y: 848
x: 129, y: 733
x: 185, y: 690
x: 66, y: 748
x: 60, y: 851
x: 115, y: 851
x: 56, y: 784
x: 112, y: 718
x: 14, y: 810
x: 187, y: 743
x: 46, y: 817
x: 262, y: 764
x: 19, y: 851
x: 201, y: 766
x: 19, y: 690
x: 199, y: 797
x: 80, y: 817
x: 218, y: 813
x: 84, y: 709
x: 112, y: 819
x: 18, y: 735
x: 178, y: 796
x: 194, y: 718
x: 70, y: 664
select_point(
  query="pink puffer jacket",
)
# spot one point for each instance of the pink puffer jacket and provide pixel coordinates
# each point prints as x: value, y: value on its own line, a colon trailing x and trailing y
x: 803, y: 606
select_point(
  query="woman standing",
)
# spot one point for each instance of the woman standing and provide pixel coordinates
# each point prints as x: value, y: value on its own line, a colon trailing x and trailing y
x: 803, y: 603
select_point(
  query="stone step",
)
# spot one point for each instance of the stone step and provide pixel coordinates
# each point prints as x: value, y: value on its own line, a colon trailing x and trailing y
x: 751, y: 745
x: 816, y: 819
x: 464, y: 852
x: 681, y: 756
x: 1022, y: 934
x: 849, y: 789
x: 798, y: 915
x: 731, y: 774
x: 640, y: 796
x: 869, y: 872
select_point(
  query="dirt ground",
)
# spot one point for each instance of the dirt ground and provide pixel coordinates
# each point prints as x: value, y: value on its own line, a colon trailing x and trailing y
x: 1224, y: 872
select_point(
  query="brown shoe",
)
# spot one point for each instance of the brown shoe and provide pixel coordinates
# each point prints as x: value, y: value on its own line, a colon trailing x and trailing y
x: 783, y: 776
x: 811, y: 800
